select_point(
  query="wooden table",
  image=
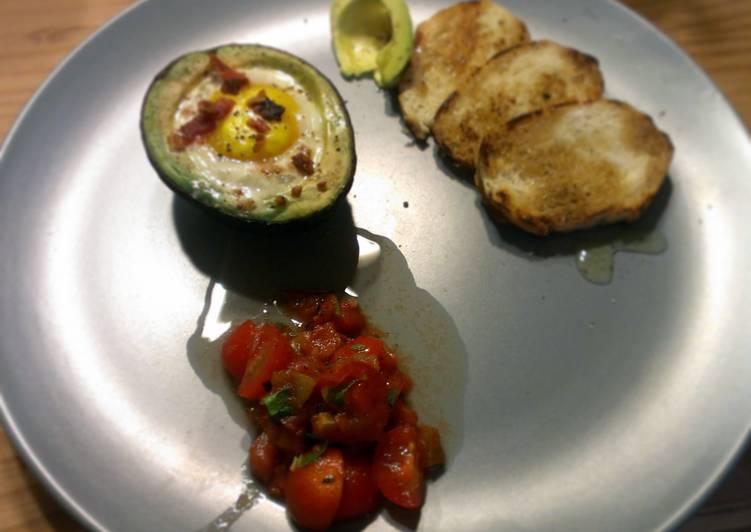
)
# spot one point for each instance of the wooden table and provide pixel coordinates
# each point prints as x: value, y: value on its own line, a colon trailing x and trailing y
x: 36, y: 34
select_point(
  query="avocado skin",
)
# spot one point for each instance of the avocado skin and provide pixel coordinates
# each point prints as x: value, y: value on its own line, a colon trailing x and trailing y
x: 218, y: 209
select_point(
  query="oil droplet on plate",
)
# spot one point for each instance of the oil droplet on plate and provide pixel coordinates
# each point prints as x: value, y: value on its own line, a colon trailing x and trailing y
x: 248, y: 497
x: 596, y: 262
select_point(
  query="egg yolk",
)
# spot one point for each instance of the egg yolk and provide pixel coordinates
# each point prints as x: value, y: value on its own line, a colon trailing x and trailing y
x: 234, y: 136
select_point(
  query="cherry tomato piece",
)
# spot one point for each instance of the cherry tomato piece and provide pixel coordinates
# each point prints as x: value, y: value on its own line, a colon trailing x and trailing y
x: 327, y: 310
x: 277, y: 484
x: 360, y: 495
x: 262, y: 458
x: 236, y: 349
x: 320, y: 342
x: 399, y: 382
x: 350, y: 319
x: 271, y: 352
x: 313, y: 492
x: 431, y: 450
x: 369, y: 345
x: 401, y: 414
x: 396, y: 467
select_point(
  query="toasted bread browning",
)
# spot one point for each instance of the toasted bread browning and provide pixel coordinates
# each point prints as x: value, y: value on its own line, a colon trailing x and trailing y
x: 450, y: 46
x: 573, y: 166
x: 517, y: 81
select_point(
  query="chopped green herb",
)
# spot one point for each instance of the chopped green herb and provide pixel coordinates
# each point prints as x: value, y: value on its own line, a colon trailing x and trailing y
x: 337, y: 395
x: 337, y: 307
x: 392, y: 396
x: 358, y: 347
x: 277, y: 403
x: 302, y: 460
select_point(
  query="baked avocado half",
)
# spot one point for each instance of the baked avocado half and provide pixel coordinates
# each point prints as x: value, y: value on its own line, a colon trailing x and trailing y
x: 250, y: 132
x: 372, y: 36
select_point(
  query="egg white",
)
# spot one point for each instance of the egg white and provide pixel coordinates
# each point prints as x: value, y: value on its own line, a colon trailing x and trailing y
x: 239, y: 181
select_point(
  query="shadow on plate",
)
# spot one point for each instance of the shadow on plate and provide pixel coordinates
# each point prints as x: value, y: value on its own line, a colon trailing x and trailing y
x: 465, y: 176
x: 247, y: 270
x: 391, y: 108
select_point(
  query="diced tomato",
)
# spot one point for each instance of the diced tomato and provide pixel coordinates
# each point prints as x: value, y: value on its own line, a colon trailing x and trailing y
x: 396, y: 467
x: 299, y: 384
x: 389, y: 362
x: 236, y: 349
x: 309, y: 366
x: 362, y: 345
x: 262, y: 458
x: 277, y: 484
x: 313, y: 492
x: 311, y: 309
x: 360, y: 495
x: 399, y: 381
x: 320, y: 342
x: 430, y: 445
x: 401, y: 414
x: 328, y: 309
x: 369, y: 346
x: 271, y: 352
x: 358, y: 392
x: 345, y: 371
x: 350, y: 319
x: 303, y: 307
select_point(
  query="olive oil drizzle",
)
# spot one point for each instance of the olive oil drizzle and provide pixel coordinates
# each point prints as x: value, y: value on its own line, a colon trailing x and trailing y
x: 596, y: 262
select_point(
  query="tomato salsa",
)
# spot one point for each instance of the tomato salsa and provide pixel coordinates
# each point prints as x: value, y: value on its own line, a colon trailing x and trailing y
x: 335, y: 433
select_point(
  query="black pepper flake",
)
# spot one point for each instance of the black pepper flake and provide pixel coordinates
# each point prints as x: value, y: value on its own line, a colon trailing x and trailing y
x: 405, y: 204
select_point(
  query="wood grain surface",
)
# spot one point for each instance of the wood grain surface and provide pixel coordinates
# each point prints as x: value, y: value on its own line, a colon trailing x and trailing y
x: 35, y: 35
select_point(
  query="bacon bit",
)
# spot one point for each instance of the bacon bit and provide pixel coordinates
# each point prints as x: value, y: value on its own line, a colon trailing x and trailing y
x: 260, y: 141
x: 280, y: 201
x: 303, y: 163
x: 177, y: 142
x: 259, y: 125
x: 209, y: 115
x: 322, y: 186
x: 266, y: 107
x: 296, y: 191
x: 232, y: 80
x: 248, y: 205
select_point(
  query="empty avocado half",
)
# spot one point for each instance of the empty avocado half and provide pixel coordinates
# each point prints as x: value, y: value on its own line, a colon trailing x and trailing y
x: 372, y: 36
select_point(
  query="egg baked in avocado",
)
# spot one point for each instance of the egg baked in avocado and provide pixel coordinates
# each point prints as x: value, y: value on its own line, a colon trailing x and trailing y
x: 250, y: 132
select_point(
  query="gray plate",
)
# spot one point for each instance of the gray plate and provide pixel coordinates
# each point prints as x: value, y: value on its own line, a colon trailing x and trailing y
x: 565, y: 405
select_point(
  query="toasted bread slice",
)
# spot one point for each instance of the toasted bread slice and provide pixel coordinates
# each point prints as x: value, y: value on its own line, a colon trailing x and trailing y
x: 449, y: 46
x: 517, y: 81
x: 573, y: 166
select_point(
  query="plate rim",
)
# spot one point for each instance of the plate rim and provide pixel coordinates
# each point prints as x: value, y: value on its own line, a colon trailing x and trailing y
x: 24, y: 450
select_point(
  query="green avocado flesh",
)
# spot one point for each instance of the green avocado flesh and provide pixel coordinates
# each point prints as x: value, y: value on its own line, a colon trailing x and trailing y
x: 372, y: 36
x: 251, y: 186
